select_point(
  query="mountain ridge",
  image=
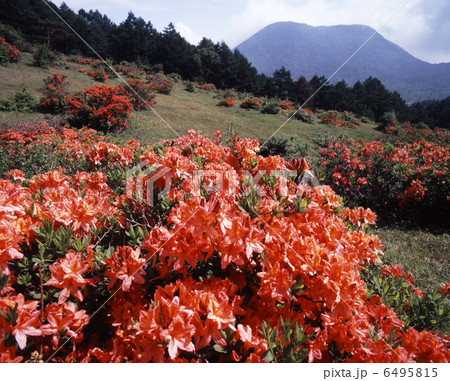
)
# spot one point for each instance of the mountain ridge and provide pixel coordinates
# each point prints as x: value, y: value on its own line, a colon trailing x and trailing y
x: 320, y: 50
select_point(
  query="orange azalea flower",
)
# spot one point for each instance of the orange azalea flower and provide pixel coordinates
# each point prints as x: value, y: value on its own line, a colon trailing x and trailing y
x: 27, y: 321
x: 67, y: 274
x: 125, y: 264
x: 64, y: 317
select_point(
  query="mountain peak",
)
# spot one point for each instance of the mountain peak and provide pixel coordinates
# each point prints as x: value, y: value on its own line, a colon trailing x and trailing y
x: 320, y: 50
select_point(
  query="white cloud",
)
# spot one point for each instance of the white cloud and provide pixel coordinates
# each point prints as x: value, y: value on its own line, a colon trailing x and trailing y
x: 188, y: 33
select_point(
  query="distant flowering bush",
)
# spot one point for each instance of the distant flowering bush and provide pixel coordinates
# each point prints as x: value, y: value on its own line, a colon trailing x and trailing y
x: 251, y: 103
x: 208, y: 87
x: 130, y: 70
x: 55, y: 93
x: 99, y: 75
x: 8, y: 53
x: 305, y: 116
x: 406, y: 179
x: 230, y: 94
x: 287, y: 105
x: 407, y: 132
x: 160, y: 83
x: 81, y: 61
x: 339, y: 119
x: 142, y: 96
x: 227, y: 102
x: 101, y: 107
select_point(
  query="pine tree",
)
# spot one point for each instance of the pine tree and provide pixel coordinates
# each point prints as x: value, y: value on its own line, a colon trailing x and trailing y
x: 283, y: 83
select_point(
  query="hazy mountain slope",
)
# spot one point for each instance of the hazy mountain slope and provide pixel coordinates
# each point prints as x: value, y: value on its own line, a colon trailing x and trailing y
x: 307, y: 50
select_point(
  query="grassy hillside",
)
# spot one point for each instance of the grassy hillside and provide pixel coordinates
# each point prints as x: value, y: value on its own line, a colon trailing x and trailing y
x: 181, y: 110
x: 424, y: 254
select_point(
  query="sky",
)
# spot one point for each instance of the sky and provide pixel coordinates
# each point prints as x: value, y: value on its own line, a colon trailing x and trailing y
x: 421, y: 27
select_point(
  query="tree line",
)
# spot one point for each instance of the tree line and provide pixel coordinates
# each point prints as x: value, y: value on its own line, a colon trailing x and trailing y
x: 136, y: 40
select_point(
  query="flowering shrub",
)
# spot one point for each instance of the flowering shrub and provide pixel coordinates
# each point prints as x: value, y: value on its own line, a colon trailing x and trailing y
x: 251, y: 271
x: 227, y: 102
x: 305, y: 116
x: 8, y: 53
x: 55, y: 93
x: 396, y: 178
x: 23, y: 46
x: 396, y: 290
x: 140, y: 94
x: 99, y: 75
x: 208, y: 87
x: 101, y: 107
x: 251, y: 103
x: 339, y: 119
x: 34, y: 149
x: 160, y: 83
x: 81, y: 61
x: 130, y: 70
x: 407, y: 133
x: 287, y: 105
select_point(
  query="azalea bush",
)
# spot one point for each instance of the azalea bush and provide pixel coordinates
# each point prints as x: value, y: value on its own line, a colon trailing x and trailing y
x: 239, y: 264
x: 160, y: 83
x: 230, y: 94
x: 102, y: 108
x: 207, y: 87
x: 251, y: 103
x: 130, y: 70
x: 305, y: 116
x: 287, y: 106
x: 37, y: 148
x: 340, y: 119
x: 397, y: 179
x: 99, y: 75
x: 8, y: 53
x: 406, y: 132
x: 140, y: 93
x: 227, y: 102
x: 55, y: 93
x: 81, y: 61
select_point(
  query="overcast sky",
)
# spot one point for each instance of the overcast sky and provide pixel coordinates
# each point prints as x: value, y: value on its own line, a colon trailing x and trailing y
x: 421, y: 27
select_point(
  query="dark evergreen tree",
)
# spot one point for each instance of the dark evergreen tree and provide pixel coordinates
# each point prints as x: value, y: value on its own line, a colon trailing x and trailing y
x: 302, y: 91
x: 135, y: 39
x: 208, y: 60
x: 176, y: 54
x: 283, y: 83
x: 245, y: 73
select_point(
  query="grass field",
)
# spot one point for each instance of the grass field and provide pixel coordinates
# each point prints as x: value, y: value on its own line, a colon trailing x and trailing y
x: 425, y: 254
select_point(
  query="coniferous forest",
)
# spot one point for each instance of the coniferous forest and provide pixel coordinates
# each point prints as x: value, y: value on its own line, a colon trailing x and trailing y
x: 137, y: 40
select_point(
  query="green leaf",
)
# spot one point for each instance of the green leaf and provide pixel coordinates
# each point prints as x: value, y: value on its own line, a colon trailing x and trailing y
x: 4, y: 279
x: 267, y: 356
x: 220, y: 349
